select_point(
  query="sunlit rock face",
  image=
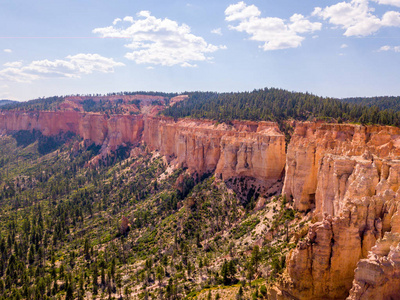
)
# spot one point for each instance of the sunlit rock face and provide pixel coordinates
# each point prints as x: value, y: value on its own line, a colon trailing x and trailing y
x: 348, y: 175
x: 242, y: 149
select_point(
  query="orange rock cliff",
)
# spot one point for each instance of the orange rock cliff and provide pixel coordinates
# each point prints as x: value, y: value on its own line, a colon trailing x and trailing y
x: 346, y: 176
x: 349, y: 176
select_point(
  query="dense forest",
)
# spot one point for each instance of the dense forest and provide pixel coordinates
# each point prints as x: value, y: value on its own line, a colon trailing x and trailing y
x: 52, y: 103
x: 277, y: 105
x: 381, y: 102
x: 49, y: 103
x: 269, y: 104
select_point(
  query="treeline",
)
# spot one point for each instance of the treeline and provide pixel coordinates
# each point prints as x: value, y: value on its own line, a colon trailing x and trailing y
x: 278, y: 105
x: 52, y: 103
x: 385, y: 102
x: 46, y: 104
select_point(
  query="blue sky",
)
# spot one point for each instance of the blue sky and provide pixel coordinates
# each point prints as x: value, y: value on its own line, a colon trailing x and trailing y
x: 329, y: 48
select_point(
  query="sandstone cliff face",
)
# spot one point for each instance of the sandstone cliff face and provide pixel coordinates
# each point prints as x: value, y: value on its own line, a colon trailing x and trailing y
x: 311, y: 141
x: 350, y: 175
x: 243, y: 149
x: 378, y: 277
x: 114, y: 130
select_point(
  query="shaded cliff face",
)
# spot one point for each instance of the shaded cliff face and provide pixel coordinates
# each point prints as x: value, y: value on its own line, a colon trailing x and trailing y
x: 350, y: 175
x: 98, y: 128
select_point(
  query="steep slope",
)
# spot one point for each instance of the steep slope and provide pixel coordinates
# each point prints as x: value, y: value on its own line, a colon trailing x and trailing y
x: 348, y: 175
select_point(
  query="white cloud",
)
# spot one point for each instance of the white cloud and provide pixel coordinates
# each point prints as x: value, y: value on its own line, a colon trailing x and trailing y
x: 275, y: 33
x: 73, y: 66
x: 344, y: 46
x: 240, y: 11
x: 160, y: 41
x: 217, y: 31
x: 391, y: 19
x: 116, y: 21
x: 7, y: 50
x: 128, y: 19
x: 389, y: 2
x: 390, y: 48
x: 14, y: 64
x: 356, y: 17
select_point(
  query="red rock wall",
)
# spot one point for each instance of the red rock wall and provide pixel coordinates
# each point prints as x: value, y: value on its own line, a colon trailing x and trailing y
x: 248, y: 149
x: 350, y: 176
x: 241, y: 149
x: 114, y: 130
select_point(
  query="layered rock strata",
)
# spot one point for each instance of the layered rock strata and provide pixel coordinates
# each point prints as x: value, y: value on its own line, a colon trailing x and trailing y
x: 242, y: 149
x: 349, y: 176
x: 98, y: 128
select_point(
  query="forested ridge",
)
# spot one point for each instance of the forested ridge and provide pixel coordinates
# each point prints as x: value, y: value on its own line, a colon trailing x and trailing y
x: 268, y: 104
x: 386, y: 102
x: 52, y: 103
x: 277, y: 105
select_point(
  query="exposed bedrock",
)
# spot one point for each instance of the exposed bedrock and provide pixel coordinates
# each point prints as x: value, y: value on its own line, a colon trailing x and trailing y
x: 243, y: 149
x: 98, y: 128
x: 349, y: 176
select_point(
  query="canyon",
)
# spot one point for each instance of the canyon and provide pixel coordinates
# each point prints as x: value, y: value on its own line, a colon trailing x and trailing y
x: 342, y: 178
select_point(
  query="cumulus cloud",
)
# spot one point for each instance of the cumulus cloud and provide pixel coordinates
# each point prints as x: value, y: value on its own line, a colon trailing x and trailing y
x: 344, y: 46
x: 389, y: 2
x: 356, y: 17
x: 160, y: 41
x: 73, y: 66
x: 275, y: 33
x: 7, y: 50
x: 390, y: 48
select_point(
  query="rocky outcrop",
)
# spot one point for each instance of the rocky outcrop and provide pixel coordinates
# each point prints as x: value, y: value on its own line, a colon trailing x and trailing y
x: 348, y: 175
x: 378, y: 276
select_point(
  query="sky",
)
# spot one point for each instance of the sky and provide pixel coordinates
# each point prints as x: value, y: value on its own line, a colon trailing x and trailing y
x: 329, y: 48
